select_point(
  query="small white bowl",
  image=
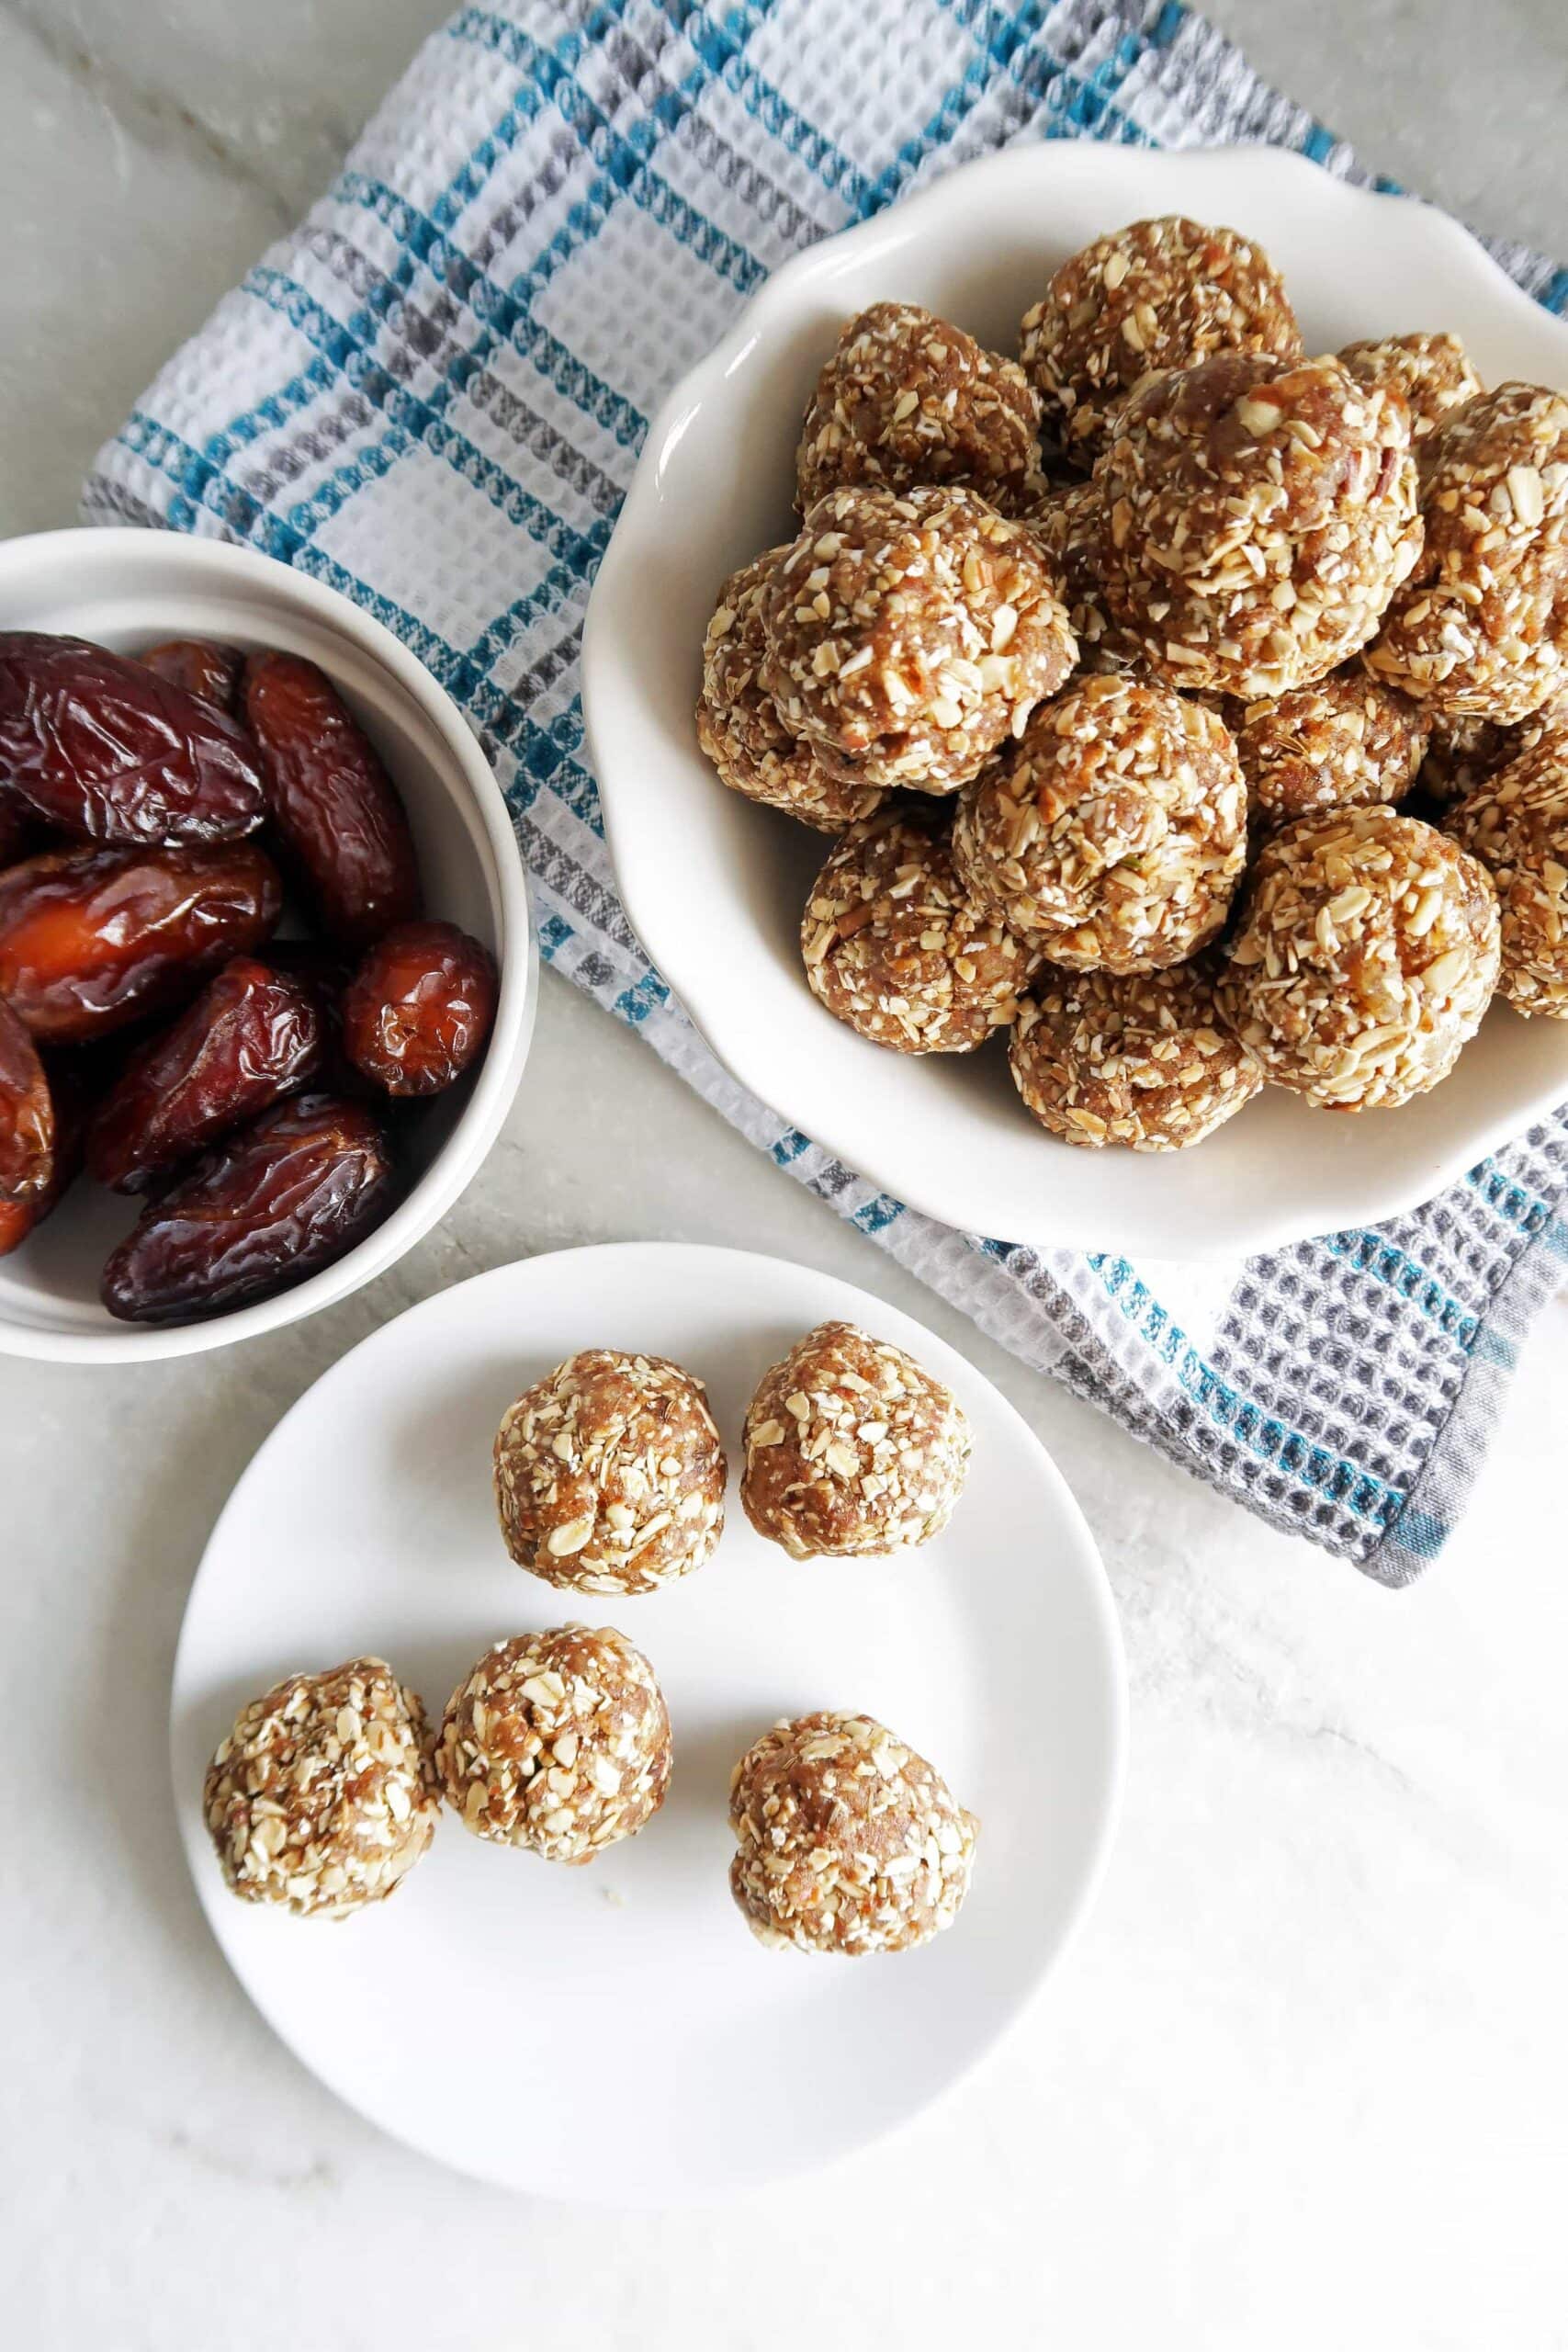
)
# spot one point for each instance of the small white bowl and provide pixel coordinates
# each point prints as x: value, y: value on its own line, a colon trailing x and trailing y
x: 715, y: 886
x: 128, y: 590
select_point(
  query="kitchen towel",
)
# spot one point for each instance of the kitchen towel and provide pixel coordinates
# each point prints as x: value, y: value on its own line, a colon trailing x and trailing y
x: 433, y: 394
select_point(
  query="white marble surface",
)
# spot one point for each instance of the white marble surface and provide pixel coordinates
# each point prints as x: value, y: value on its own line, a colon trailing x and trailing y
x: 1305, y: 2079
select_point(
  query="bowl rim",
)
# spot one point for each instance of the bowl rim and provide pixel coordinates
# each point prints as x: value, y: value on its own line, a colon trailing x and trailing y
x: 989, y: 179
x: 187, y: 556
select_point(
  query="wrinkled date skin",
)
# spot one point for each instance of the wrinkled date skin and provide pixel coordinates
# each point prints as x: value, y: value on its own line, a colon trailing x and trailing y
x: 16, y: 825
x: 272, y: 1205
x: 418, y: 1011
x: 201, y: 666
x: 335, y: 808
x: 91, y: 938
x: 27, y: 1116
x: 72, y: 1092
x: 250, y: 1038
x: 108, y: 751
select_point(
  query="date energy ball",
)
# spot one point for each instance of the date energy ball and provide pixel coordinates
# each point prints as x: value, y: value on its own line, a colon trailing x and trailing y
x: 1464, y: 751
x: 609, y: 1474
x: 850, y: 1449
x: 1433, y: 371
x: 1517, y: 824
x: 1068, y: 524
x: 896, y: 948
x: 1344, y: 741
x: 323, y: 1796
x: 846, y: 1840
x: 557, y: 1742
x: 739, y: 725
x: 1115, y: 832
x: 1258, y: 518
x: 1365, y: 956
x: 1139, y: 1058
x: 910, y: 634
x: 1480, y: 630
x: 1156, y: 295
x: 907, y: 398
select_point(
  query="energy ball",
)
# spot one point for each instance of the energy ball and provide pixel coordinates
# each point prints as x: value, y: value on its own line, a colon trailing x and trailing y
x: 1115, y: 832
x: 739, y: 725
x: 1258, y: 518
x: 557, y: 1742
x: 323, y: 1796
x: 1139, y: 1058
x: 1335, y: 744
x: 846, y: 1840
x: 1433, y: 371
x: 1480, y: 630
x: 910, y: 634
x: 850, y: 1449
x: 906, y: 398
x: 895, y: 946
x: 1517, y: 824
x: 1464, y: 752
x: 609, y: 1474
x: 1157, y: 295
x: 1068, y: 525
x: 1366, y: 955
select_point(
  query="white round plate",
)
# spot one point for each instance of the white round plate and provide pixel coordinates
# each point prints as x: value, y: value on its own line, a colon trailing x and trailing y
x: 715, y: 886
x: 507, y: 2016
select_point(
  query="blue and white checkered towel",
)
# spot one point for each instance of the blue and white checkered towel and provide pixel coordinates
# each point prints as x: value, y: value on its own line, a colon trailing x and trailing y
x: 433, y: 396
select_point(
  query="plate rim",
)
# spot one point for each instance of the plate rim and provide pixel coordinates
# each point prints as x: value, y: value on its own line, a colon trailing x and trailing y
x: 1406, y: 1184
x: 1090, y: 1570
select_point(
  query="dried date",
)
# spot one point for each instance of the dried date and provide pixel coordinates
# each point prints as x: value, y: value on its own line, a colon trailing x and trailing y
x: 334, y: 807
x: 91, y: 939
x: 27, y: 1116
x: 263, y: 1211
x: 201, y: 666
x: 70, y: 1093
x: 250, y: 1038
x: 16, y: 826
x: 110, y: 750
x: 417, y: 1013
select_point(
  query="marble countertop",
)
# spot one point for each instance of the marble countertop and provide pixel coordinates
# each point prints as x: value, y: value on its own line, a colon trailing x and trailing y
x: 1305, y: 2079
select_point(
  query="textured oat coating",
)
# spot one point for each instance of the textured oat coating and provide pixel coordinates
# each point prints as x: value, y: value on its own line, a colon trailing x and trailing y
x: 1068, y: 524
x: 1258, y: 519
x: 846, y: 1840
x: 1365, y: 956
x: 739, y: 725
x: 1156, y: 295
x: 1115, y: 832
x: 1480, y: 630
x: 1434, y: 372
x: 895, y: 946
x: 850, y: 1449
x: 1344, y: 741
x: 910, y: 635
x: 1464, y: 751
x: 558, y: 1743
x: 907, y: 398
x: 1517, y: 824
x: 323, y: 1795
x: 1138, y: 1058
x: 609, y: 1474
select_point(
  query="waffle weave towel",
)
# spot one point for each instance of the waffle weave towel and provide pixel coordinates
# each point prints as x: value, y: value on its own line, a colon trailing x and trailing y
x: 433, y: 394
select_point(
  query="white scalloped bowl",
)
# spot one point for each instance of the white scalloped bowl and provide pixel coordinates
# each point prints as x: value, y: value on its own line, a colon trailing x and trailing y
x: 129, y: 589
x: 715, y: 886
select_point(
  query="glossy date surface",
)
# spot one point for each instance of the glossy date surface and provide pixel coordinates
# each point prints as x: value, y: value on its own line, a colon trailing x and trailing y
x: 27, y: 1116
x: 334, y: 807
x: 251, y: 1035
x: 264, y: 1210
x: 107, y: 750
x: 417, y: 1011
x: 91, y: 938
x: 200, y: 665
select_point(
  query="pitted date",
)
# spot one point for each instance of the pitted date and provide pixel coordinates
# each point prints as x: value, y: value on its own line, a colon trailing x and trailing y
x: 27, y: 1116
x: 250, y: 1038
x: 91, y: 939
x: 334, y: 807
x: 418, y: 1011
x: 71, y: 1089
x: 263, y: 1211
x: 108, y: 749
x: 201, y: 666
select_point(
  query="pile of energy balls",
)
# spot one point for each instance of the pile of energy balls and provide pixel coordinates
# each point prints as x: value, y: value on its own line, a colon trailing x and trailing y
x: 610, y: 1479
x: 1195, y: 709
